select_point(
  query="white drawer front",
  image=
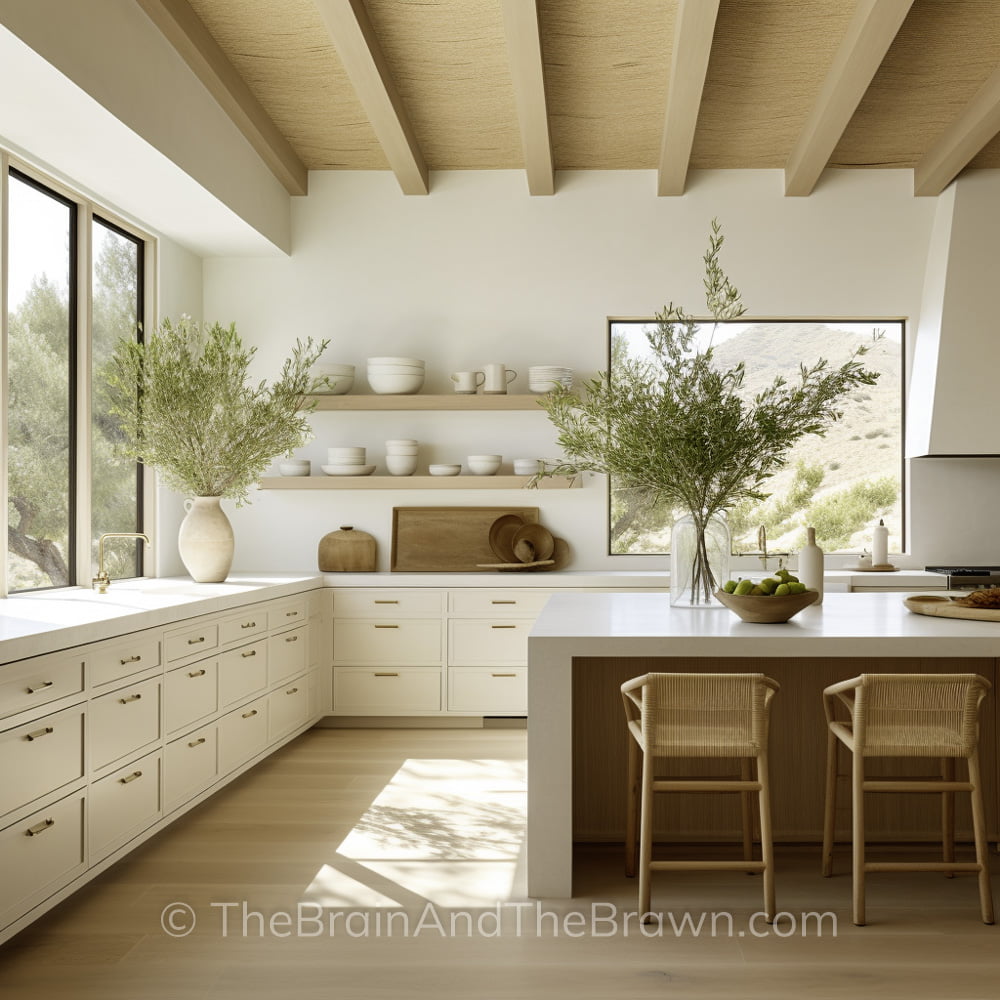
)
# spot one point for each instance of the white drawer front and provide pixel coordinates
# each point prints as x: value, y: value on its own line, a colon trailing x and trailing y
x: 123, y: 804
x: 40, y: 853
x: 39, y: 757
x: 287, y: 653
x: 190, y: 693
x: 191, y: 640
x: 497, y: 603
x: 402, y: 642
x: 242, y: 734
x: 243, y: 627
x: 386, y: 692
x: 28, y: 684
x: 114, y: 662
x: 242, y: 673
x: 288, y: 708
x: 488, y: 643
x: 123, y: 721
x: 285, y: 614
x: 190, y: 765
x: 490, y: 690
x: 388, y: 603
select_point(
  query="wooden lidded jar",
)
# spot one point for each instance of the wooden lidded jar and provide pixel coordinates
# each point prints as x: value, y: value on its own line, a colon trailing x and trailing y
x: 347, y: 551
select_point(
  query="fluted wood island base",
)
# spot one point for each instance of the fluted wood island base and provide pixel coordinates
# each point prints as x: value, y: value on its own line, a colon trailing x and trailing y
x: 584, y: 645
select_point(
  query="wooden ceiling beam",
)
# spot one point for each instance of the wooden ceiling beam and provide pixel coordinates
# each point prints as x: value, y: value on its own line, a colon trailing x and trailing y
x: 356, y: 43
x: 524, y: 47
x: 694, y: 28
x: 870, y: 33
x: 961, y: 140
x: 182, y: 27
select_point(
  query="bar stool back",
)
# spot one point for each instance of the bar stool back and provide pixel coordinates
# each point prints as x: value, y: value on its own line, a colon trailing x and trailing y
x: 697, y: 715
x: 908, y: 715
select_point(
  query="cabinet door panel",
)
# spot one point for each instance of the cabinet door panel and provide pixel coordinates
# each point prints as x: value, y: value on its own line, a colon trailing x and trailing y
x: 190, y: 765
x: 242, y: 673
x: 488, y: 643
x: 190, y: 693
x: 287, y: 654
x: 288, y: 707
x: 242, y: 734
x: 124, y: 720
x: 388, y: 604
x: 489, y: 690
x: 123, y: 804
x: 386, y: 692
x: 115, y: 662
x: 497, y: 603
x: 401, y: 642
x: 32, y: 683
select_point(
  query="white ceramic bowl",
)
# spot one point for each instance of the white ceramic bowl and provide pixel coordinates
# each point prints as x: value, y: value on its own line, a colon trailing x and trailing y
x: 392, y: 442
x: 402, y: 449
x: 295, y: 467
x: 401, y: 465
x: 345, y: 456
x: 483, y: 465
x: 327, y: 368
x: 348, y: 470
x: 396, y: 361
x: 395, y: 385
x: 396, y: 369
x: 339, y: 385
x: 526, y: 466
x: 444, y: 470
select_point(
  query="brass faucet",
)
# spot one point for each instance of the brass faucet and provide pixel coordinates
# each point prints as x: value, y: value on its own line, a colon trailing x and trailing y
x: 102, y: 581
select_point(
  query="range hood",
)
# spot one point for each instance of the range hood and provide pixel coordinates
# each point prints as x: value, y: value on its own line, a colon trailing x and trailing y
x: 955, y: 377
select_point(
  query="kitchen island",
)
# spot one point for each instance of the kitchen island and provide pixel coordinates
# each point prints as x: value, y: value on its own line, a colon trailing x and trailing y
x: 584, y: 645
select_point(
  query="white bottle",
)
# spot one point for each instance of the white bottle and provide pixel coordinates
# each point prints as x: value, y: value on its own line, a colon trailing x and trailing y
x: 880, y: 545
x: 811, y: 564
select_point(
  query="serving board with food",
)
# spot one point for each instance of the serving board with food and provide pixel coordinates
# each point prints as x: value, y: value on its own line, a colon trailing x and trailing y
x: 979, y: 605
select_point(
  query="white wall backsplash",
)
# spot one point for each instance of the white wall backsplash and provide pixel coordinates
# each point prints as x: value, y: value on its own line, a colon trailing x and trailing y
x: 479, y: 271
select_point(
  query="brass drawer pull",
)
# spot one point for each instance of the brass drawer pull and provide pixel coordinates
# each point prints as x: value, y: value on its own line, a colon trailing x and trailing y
x: 291, y: 638
x: 292, y: 691
x: 41, y: 687
x: 194, y: 642
x: 503, y: 675
x: 386, y: 626
x: 249, y: 625
x: 130, y: 659
x: 130, y: 777
x: 291, y: 614
x: 386, y: 602
x: 387, y: 674
x: 249, y: 652
x: 197, y: 673
x: 38, y: 733
x: 197, y: 743
x: 250, y: 714
x: 503, y: 602
x: 34, y: 831
x: 131, y: 697
x: 503, y: 626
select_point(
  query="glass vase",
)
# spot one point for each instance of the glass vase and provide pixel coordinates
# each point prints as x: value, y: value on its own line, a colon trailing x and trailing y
x: 699, y: 560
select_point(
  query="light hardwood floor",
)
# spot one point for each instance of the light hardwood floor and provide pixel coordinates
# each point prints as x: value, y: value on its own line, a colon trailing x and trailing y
x: 428, y: 825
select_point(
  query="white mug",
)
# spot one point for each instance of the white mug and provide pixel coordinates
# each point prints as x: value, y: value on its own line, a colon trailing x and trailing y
x: 498, y: 377
x: 467, y: 381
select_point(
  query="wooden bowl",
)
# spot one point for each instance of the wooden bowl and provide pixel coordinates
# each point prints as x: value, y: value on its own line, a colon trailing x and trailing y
x: 766, y: 610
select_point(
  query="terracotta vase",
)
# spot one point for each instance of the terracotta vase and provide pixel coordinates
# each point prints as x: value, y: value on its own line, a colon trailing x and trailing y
x: 206, y: 540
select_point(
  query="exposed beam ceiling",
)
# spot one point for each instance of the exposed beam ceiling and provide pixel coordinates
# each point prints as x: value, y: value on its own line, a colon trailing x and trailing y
x: 694, y: 28
x: 869, y: 35
x: 357, y: 45
x: 188, y: 35
x: 524, y: 46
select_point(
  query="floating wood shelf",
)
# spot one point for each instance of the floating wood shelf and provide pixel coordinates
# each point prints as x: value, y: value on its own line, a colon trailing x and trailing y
x: 453, y: 401
x: 415, y: 482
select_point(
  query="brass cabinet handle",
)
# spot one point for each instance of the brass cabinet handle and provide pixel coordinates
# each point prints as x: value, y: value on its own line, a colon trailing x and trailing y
x: 38, y: 733
x: 386, y: 626
x: 292, y: 691
x: 131, y: 697
x: 40, y: 687
x: 503, y: 602
x: 386, y: 602
x: 503, y: 626
x: 249, y: 652
x: 194, y: 642
x: 130, y: 659
x: 503, y: 675
x: 291, y: 614
x: 291, y: 638
x: 34, y: 831
x: 197, y: 743
x: 250, y: 714
x: 249, y: 625
x: 197, y: 673
x: 396, y: 674
x: 130, y: 777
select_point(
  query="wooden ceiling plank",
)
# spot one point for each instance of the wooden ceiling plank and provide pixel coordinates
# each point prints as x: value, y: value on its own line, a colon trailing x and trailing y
x: 182, y: 27
x: 524, y: 47
x: 870, y: 33
x: 694, y: 29
x: 356, y: 43
x: 952, y: 151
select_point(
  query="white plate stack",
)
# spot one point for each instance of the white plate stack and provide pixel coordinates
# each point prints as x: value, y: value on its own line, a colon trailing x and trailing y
x: 545, y: 378
x: 395, y: 376
x: 347, y: 461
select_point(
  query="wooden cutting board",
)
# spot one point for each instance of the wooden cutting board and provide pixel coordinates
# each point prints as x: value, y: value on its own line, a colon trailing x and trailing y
x: 446, y: 539
x: 945, y: 607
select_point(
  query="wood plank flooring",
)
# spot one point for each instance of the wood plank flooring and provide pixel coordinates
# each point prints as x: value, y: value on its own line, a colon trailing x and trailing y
x: 425, y: 828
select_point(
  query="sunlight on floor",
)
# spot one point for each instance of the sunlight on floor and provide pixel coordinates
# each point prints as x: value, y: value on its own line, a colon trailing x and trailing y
x: 449, y: 832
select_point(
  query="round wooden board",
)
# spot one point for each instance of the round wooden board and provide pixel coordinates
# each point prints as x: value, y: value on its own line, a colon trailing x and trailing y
x: 945, y: 607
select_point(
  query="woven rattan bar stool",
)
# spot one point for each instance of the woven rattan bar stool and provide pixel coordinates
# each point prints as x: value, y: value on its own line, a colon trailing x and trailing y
x: 908, y: 715
x: 697, y: 715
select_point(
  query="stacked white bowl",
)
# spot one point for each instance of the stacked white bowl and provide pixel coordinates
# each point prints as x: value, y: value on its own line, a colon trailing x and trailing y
x: 401, y: 456
x: 395, y: 376
x: 483, y: 465
x: 545, y: 378
x: 340, y: 377
x: 347, y: 461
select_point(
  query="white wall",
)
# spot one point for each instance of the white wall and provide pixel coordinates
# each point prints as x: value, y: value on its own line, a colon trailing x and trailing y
x: 479, y: 271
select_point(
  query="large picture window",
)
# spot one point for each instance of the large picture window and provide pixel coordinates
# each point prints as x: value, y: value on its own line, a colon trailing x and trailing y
x: 842, y: 483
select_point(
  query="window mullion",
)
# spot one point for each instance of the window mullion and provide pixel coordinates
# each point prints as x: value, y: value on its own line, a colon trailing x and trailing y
x: 4, y: 179
x: 84, y: 370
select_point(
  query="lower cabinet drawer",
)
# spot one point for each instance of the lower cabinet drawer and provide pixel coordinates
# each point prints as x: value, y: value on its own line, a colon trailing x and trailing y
x: 124, y: 720
x: 26, y: 685
x: 39, y: 757
x: 368, y: 691
x: 39, y: 854
x: 288, y: 707
x: 287, y: 654
x: 242, y: 673
x: 118, y: 660
x: 488, y: 643
x: 190, y: 693
x: 403, y: 642
x: 242, y: 734
x: 190, y: 765
x: 492, y: 691
x: 123, y: 804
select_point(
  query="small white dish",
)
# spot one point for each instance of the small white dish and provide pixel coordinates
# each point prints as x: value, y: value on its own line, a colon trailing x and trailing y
x: 295, y: 467
x: 526, y: 466
x: 444, y: 470
x: 401, y: 465
x: 348, y: 470
x: 483, y: 465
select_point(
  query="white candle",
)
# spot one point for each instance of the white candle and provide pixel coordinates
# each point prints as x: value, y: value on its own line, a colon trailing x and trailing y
x: 880, y: 544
